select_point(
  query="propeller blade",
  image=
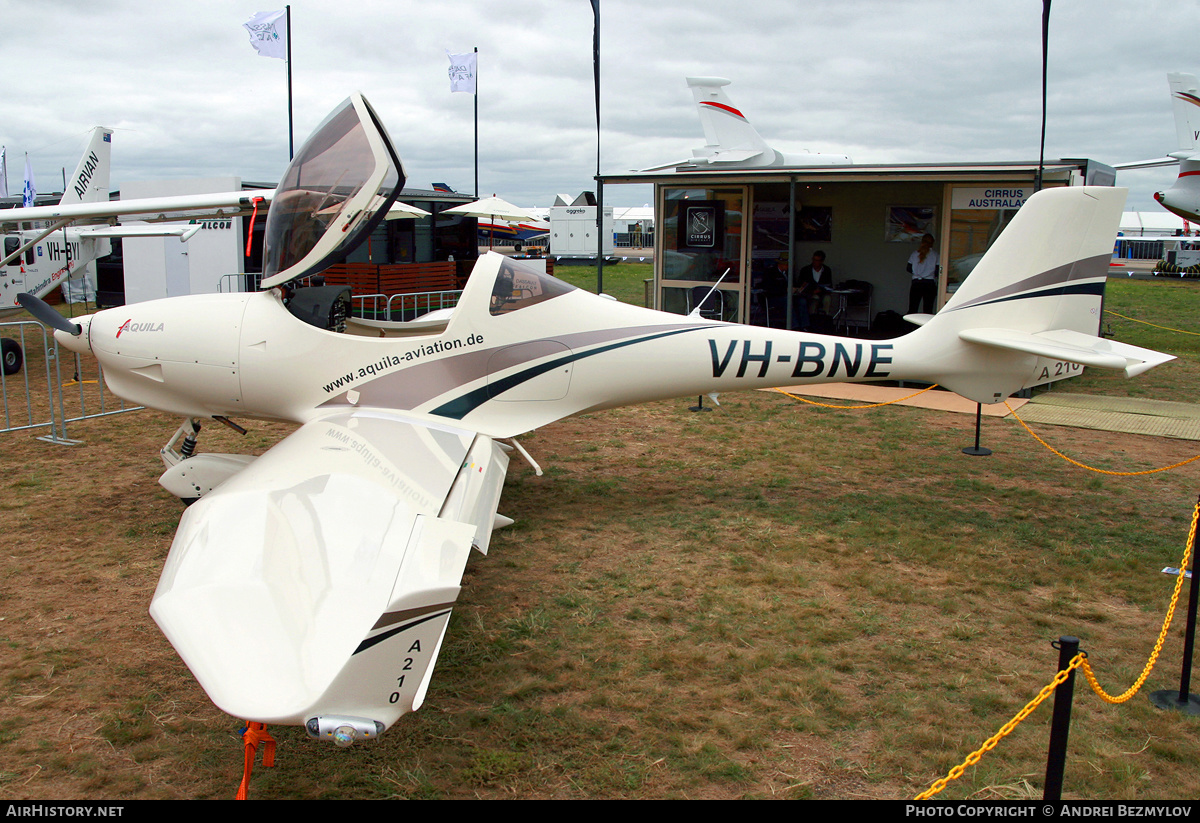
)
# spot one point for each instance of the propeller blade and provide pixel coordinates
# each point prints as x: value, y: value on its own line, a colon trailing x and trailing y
x: 47, y: 316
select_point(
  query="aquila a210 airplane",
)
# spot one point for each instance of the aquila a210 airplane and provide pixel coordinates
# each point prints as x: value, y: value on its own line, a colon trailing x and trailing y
x: 313, y: 585
x: 43, y: 249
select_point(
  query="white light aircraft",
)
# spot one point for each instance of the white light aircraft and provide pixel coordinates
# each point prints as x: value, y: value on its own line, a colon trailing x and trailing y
x: 42, y: 249
x: 732, y: 142
x: 313, y: 585
x: 1183, y: 198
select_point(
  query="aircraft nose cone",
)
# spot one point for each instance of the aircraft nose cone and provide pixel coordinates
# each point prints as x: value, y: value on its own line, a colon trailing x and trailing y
x: 76, y: 342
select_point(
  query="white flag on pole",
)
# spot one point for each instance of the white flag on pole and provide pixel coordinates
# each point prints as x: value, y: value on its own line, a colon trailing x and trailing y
x: 3, y: 172
x: 462, y: 71
x: 30, y: 189
x: 268, y: 33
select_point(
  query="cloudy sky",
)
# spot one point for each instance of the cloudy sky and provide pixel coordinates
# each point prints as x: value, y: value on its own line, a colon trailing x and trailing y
x: 882, y: 81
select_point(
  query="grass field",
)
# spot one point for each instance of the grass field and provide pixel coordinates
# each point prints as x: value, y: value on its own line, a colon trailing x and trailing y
x: 767, y: 600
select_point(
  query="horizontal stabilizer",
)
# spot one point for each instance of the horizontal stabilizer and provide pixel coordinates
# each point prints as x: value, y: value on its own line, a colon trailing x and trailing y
x: 1072, y: 347
x: 664, y: 166
x: 714, y: 159
x: 727, y: 156
x: 1147, y: 164
x: 918, y: 319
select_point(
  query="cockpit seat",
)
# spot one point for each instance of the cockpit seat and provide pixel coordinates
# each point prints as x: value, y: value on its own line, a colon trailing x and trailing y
x: 325, y: 307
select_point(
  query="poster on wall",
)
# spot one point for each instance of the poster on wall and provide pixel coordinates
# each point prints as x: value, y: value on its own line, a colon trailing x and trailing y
x: 770, y: 229
x: 907, y: 223
x: 703, y: 225
x: 815, y: 223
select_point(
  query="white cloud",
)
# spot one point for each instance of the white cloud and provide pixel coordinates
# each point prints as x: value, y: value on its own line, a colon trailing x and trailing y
x: 924, y: 80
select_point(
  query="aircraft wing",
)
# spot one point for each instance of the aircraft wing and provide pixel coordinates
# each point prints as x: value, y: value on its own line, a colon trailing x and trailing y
x: 1147, y: 164
x: 316, y: 584
x: 149, y: 209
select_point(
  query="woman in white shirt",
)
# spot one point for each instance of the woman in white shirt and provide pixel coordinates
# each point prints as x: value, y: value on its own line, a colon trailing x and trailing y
x: 923, y: 266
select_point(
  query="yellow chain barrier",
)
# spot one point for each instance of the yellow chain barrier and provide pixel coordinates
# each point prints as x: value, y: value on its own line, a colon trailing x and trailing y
x: 1162, y: 635
x: 989, y: 744
x: 867, y: 406
x: 1093, y: 468
x: 1078, y: 661
x: 1145, y: 323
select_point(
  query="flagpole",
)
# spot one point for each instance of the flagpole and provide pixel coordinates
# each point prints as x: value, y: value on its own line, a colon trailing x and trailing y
x: 476, y: 123
x: 291, y: 127
x: 599, y: 183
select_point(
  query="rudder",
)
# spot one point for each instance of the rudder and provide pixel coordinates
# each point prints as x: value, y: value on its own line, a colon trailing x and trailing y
x: 89, y: 183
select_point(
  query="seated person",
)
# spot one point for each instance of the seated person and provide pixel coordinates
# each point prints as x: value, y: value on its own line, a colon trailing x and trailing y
x: 768, y: 291
x: 810, y: 291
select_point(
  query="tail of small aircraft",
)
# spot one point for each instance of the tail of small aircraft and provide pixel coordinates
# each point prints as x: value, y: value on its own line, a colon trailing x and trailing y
x: 89, y: 183
x: 728, y: 135
x: 731, y: 141
x: 1185, y: 99
x: 1032, y: 306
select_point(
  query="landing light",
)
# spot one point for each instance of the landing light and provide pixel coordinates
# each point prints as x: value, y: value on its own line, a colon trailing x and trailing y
x: 343, y: 731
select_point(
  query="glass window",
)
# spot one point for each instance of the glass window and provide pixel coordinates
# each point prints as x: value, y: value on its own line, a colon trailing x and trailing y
x: 330, y: 169
x: 972, y: 232
x: 518, y: 286
x: 702, y: 234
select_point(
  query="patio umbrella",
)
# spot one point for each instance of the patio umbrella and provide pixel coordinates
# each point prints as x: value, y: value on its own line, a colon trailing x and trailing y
x: 400, y: 211
x: 492, y: 207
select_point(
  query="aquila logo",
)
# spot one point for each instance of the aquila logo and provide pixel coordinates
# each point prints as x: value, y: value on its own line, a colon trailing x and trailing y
x: 130, y: 326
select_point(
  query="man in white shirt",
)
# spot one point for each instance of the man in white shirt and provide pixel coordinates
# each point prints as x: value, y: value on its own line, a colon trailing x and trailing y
x: 810, y: 291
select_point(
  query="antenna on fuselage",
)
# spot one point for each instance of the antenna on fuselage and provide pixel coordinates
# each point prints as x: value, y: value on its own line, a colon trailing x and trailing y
x: 696, y: 311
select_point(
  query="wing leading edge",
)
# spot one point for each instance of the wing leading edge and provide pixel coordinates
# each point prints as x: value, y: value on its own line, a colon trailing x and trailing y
x: 314, y: 587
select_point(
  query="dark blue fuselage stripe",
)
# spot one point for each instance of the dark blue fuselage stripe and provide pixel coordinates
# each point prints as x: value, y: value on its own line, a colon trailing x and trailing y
x: 382, y: 636
x: 460, y: 407
x: 1057, y: 291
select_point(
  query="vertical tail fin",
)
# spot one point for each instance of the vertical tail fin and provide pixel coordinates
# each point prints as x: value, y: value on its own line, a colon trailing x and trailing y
x: 1033, y: 303
x: 1051, y: 261
x: 725, y: 128
x: 1185, y: 99
x: 89, y: 183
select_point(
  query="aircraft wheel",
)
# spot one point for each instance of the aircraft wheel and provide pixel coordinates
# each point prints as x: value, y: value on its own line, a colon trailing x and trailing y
x: 516, y: 246
x: 12, y: 355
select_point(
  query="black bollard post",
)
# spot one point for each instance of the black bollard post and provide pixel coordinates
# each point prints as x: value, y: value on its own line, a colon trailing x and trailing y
x: 1183, y: 700
x: 1060, y: 725
x: 977, y: 450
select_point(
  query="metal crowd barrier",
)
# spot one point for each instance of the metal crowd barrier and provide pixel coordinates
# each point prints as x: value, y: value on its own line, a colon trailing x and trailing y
x: 403, y: 306
x: 54, y: 387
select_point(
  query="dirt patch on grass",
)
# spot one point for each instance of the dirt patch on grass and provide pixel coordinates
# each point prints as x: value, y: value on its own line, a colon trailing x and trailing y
x: 761, y: 601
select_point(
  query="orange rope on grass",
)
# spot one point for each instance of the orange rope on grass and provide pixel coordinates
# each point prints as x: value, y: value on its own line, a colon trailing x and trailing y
x: 867, y: 406
x: 1093, y: 468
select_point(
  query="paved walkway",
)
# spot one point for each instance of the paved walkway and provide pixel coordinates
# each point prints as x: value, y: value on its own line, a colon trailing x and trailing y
x: 1119, y: 414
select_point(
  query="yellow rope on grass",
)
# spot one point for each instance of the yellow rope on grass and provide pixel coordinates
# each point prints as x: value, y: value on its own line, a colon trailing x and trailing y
x: 867, y: 406
x: 1093, y: 468
x: 1145, y: 323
